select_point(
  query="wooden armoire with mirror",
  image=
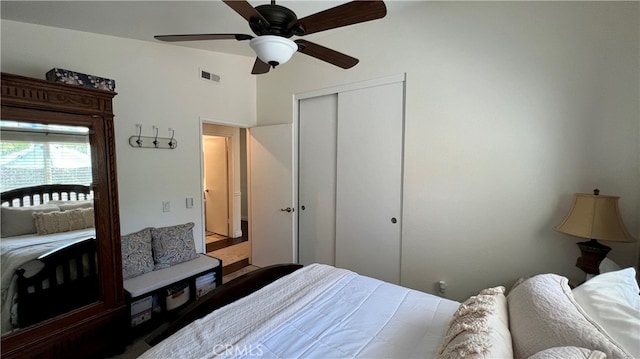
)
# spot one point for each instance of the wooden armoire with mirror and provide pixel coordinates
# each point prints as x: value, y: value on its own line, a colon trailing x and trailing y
x: 96, y: 329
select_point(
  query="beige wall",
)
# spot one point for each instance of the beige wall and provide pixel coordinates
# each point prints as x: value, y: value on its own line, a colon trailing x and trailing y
x: 157, y: 84
x: 511, y: 107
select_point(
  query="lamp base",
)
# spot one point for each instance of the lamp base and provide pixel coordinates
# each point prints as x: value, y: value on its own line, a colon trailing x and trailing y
x: 593, y: 252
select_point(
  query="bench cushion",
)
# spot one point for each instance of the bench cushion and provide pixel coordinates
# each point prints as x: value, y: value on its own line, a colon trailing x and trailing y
x: 156, y: 279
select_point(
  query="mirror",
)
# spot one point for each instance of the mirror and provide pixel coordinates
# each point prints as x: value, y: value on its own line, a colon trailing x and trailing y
x: 49, y: 228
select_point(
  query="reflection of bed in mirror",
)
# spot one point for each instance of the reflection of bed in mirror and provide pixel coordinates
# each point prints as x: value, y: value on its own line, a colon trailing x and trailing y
x: 48, y: 251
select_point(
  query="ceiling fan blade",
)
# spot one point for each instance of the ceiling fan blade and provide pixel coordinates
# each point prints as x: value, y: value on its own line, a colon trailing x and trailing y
x: 245, y: 10
x: 326, y: 54
x: 260, y: 67
x: 197, y: 37
x: 342, y: 15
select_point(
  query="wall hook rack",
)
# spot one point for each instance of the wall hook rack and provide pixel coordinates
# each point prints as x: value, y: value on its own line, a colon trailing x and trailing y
x: 154, y: 141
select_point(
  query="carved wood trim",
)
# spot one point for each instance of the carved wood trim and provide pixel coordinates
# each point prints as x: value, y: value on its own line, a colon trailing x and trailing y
x: 26, y: 92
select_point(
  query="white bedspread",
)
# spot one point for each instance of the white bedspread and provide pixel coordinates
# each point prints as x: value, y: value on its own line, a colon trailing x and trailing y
x: 21, y: 251
x: 318, y: 311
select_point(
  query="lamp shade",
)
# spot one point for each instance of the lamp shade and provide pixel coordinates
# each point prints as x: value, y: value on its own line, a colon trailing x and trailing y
x: 273, y: 50
x: 596, y: 217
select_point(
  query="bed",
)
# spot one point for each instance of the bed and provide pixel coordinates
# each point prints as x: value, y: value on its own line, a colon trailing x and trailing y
x: 327, y: 312
x: 48, y: 253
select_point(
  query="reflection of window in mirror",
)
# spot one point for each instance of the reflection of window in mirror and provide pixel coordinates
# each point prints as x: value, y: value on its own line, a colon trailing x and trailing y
x: 46, y: 174
x: 35, y: 154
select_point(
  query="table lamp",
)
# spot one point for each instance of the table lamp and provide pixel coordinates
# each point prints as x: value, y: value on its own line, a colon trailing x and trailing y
x: 598, y: 218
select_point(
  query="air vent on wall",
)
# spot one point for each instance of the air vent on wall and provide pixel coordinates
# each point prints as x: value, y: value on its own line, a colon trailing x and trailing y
x: 208, y: 76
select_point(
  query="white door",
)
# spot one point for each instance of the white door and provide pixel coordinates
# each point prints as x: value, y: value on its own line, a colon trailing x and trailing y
x: 271, y: 226
x: 317, y: 179
x: 369, y: 180
x: 216, y: 191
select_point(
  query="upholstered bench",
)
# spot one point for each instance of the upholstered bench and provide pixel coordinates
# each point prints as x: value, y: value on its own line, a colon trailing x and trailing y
x: 162, y: 271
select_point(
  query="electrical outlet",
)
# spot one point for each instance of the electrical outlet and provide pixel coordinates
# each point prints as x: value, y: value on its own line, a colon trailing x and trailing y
x: 166, y: 206
x: 442, y: 286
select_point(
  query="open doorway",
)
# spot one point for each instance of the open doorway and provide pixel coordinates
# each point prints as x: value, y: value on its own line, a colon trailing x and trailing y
x: 216, y: 161
x: 224, y: 186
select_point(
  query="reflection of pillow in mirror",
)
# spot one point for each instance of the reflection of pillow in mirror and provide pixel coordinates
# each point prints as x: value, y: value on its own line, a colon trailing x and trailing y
x: 173, y: 245
x: 17, y: 221
x: 67, y: 205
x: 63, y: 221
x: 137, y: 257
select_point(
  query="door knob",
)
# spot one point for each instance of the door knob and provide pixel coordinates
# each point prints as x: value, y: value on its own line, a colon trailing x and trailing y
x: 288, y: 209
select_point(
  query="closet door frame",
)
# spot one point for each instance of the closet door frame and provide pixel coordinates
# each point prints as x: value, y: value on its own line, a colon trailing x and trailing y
x: 296, y: 128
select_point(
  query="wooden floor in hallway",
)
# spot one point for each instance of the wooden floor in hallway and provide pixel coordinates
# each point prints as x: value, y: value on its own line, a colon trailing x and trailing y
x: 233, y: 252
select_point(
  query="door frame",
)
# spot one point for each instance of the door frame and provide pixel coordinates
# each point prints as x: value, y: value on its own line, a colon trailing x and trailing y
x: 296, y: 131
x: 232, y: 194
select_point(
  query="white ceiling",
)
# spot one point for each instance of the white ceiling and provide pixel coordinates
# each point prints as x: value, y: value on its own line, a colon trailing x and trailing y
x: 143, y: 19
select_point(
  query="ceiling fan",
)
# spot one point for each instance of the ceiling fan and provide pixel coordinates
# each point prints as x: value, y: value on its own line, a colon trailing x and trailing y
x: 274, y: 25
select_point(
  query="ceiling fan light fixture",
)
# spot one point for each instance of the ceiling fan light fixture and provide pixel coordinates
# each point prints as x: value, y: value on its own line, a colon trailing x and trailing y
x: 273, y: 50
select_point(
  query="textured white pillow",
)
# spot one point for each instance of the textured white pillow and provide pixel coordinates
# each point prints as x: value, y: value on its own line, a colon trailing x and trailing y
x: 568, y: 353
x: 63, y: 221
x: 543, y: 314
x: 612, y: 300
x: 17, y: 221
x: 479, y: 329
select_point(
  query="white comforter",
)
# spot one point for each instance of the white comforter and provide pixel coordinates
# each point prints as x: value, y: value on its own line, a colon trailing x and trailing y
x: 318, y: 311
x: 21, y: 251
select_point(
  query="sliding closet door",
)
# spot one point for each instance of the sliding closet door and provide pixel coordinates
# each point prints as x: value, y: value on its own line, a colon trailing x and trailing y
x: 317, y: 179
x: 369, y: 180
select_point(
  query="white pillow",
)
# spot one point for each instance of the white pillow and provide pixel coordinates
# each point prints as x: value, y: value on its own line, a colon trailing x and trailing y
x: 543, y: 314
x: 607, y: 265
x: 17, y: 221
x: 68, y: 205
x: 612, y: 300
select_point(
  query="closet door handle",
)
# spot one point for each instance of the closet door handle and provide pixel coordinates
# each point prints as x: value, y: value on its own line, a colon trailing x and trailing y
x: 288, y: 209
x: 394, y: 220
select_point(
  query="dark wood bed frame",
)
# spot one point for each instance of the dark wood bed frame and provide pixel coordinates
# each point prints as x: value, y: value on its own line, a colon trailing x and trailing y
x: 45, y: 193
x: 221, y: 296
x: 69, y: 278
x: 79, y: 284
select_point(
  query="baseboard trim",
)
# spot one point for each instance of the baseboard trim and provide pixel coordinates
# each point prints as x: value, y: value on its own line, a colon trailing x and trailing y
x: 233, y: 267
x: 224, y: 243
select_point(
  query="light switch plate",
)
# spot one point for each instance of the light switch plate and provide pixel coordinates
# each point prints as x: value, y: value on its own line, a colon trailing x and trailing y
x: 189, y: 202
x: 166, y: 206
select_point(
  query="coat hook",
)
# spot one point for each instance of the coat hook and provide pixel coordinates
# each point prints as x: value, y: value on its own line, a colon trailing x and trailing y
x: 155, y: 140
x: 139, y: 140
x: 173, y: 132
